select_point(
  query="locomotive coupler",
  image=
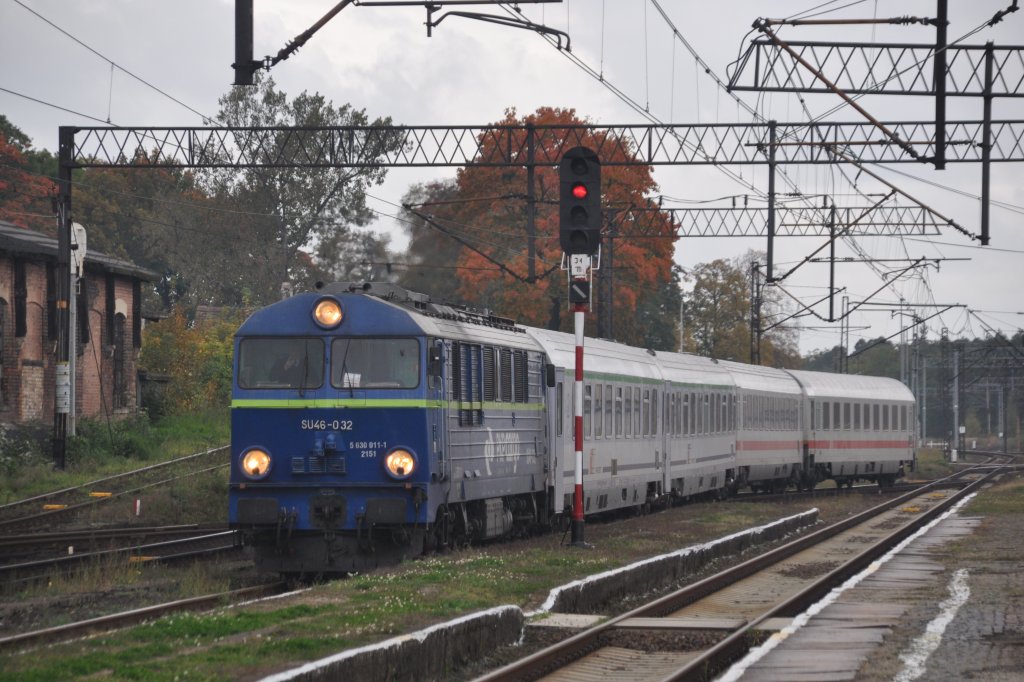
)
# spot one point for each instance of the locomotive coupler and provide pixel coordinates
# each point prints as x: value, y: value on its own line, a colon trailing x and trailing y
x: 285, y: 525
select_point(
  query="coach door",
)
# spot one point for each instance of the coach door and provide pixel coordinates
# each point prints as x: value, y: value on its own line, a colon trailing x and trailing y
x: 558, y: 399
x: 669, y: 398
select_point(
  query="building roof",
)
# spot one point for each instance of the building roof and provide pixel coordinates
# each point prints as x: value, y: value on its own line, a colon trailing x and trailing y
x: 16, y: 239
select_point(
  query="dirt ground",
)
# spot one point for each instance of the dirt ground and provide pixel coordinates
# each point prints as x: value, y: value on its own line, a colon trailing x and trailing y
x: 984, y: 642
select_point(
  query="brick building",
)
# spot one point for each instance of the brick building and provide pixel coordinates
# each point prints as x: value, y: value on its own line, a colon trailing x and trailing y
x: 109, y: 330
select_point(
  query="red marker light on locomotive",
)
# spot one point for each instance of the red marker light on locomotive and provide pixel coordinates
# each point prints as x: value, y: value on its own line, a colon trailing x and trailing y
x: 579, y: 190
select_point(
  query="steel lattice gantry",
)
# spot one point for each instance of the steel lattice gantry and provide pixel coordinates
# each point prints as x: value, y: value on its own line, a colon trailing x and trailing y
x: 879, y: 68
x: 528, y: 146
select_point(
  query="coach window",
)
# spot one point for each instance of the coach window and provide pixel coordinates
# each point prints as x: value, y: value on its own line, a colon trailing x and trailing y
x: 587, y: 404
x: 645, y: 418
x: 654, y: 412
x: 609, y: 410
x: 627, y: 409
x: 637, y: 408
x: 826, y: 416
x: 885, y: 417
x: 903, y: 417
x: 560, y: 407
x: 856, y: 416
x: 619, y: 412
x: 598, y: 410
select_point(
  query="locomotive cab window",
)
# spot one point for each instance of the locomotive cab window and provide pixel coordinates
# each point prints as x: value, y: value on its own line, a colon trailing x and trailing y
x: 375, y: 363
x: 281, y: 363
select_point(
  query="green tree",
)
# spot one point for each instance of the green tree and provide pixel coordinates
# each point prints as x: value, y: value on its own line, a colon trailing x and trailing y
x: 289, y: 210
x: 718, y: 312
x: 430, y: 261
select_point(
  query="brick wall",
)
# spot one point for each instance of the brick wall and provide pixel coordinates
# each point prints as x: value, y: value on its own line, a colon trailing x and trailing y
x: 27, y: 363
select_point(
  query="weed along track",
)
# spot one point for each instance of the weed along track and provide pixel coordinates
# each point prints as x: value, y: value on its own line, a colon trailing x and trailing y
x: 66, y: 505
x: 118, y: 620
x: 697, y: 631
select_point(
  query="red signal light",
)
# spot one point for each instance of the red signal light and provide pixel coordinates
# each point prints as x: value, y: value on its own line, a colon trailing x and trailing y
x: 579, y: 190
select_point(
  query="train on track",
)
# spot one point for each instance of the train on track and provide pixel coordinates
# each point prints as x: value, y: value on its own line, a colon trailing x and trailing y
x: 370, y: 424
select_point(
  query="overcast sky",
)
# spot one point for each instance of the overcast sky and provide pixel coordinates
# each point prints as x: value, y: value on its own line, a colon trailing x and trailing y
x: 90, y: 58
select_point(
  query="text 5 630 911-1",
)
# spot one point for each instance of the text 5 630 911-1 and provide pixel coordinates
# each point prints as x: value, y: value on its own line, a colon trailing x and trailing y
x: 326, y: 424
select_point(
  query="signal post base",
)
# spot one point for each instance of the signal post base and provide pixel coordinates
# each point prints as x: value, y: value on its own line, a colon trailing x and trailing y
x: 577, y: 536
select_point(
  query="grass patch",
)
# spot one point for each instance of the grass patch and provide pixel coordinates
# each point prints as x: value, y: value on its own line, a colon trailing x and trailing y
x: 931, y: 463
x: 102, y: 449
x: 1001, y: 499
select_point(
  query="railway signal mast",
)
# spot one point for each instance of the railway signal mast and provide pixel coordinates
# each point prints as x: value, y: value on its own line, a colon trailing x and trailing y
x: 579, y: 233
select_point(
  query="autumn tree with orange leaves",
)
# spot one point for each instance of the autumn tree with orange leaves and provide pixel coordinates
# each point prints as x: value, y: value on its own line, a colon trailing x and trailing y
x: 26, y: 195
x: 468, y: 238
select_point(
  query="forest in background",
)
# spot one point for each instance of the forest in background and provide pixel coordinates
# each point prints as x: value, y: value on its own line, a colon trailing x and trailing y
x: 235, y: 240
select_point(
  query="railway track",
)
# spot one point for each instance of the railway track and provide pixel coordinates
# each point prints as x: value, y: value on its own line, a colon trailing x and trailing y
x: 695, y: 632
x: 17, y: 548
x: 69, y: 631
x: 194, y: 546
x: 65, y: 505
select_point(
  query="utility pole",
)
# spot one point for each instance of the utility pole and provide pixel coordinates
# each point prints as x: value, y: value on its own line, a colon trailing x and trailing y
x: 755, y: 313
x: 957, y: 444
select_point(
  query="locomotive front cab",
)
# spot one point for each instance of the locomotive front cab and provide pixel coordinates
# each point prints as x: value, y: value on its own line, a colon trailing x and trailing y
x: 330, y: 437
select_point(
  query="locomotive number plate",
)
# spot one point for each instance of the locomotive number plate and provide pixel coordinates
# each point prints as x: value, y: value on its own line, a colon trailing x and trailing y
x: 326, y: 424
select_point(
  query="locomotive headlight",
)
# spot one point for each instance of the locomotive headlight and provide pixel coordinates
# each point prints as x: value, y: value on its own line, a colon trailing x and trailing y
x: 400, y: 463
x: 256, y: 463
x: 328, y: 313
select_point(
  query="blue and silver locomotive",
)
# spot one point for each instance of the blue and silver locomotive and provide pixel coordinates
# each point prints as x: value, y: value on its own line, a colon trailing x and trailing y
x: 370, y: 424
x: 355, y: 444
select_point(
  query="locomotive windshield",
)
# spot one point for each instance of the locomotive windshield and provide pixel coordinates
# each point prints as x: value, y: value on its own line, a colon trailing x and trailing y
x: 375, y: 363
x: 281, y: 363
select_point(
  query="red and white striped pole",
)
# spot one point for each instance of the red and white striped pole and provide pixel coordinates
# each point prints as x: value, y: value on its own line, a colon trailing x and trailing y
x: 579, y: 235
x: 577, y: 500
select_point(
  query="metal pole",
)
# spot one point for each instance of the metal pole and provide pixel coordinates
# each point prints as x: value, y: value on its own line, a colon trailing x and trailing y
x: 832, y: 263
x: 939, y: 78
x: 924, y: 400
x: 986, y: 143
x: 1002, y: 414
x: 956, y: 400
x: 73, y: 348
x: 62, y: 396
x: 769, y: 274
